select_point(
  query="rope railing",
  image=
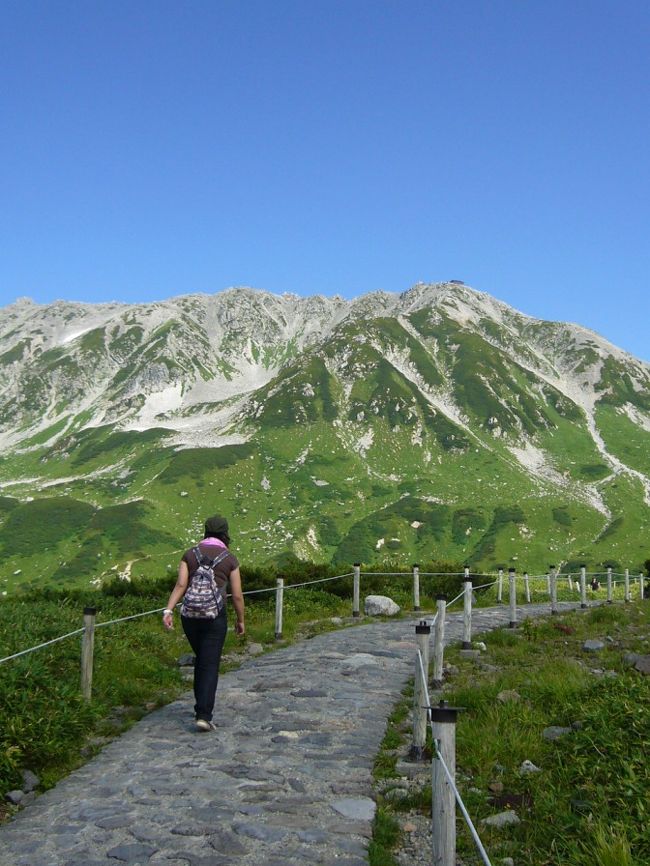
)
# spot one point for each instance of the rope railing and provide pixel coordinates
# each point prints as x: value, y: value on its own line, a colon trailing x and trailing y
x: 485, y: 585
x: 297, y: 585
x: 42, y: 645
x: 320, y: 580
x: 127, y: 618
x: 356, y: 575
x: 454, y: 600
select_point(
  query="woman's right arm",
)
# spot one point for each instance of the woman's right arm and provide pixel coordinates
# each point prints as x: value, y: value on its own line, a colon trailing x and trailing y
x: 237, y: 597
x: 176, y: 595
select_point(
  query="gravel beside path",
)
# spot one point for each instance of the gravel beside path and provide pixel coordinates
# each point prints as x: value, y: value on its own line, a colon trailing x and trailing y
x: 285, y: 781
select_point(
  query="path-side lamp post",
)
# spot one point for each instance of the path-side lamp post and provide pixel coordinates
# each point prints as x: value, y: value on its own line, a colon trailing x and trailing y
x: 583, y: 586
x: 512, y: 590
x: 467, y: 611
x: 439, y: 642
x: 420, y: 691
x: 279, y: 601
x: 416, y: 587
x: 610, y: 599
x: 553, y: 578
x: 627, y: 585
x: 641, y: 585
x: 443, y: 796
x: 87, y: 650
x: 527, y: 587
x: 356, y: 581
x: 500, y: 586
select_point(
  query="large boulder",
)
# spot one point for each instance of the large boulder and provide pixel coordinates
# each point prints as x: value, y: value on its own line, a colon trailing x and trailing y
x: 380, y: 605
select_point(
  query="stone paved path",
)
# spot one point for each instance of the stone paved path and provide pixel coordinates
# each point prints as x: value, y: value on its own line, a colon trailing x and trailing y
x: 285, y: 781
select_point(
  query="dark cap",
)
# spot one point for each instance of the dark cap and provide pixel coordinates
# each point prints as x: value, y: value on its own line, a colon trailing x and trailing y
x: 216, y: 525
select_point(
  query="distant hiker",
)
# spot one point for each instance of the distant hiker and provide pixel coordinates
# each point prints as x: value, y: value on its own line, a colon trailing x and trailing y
x: 203, y: 574
x: 595, y: 584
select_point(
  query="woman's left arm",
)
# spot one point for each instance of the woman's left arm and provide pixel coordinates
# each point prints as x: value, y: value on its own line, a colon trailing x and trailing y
x: 237, y: 599
x: 176, y: 595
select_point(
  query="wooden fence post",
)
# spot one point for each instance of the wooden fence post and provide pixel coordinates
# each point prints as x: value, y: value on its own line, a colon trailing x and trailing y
x: 416, y: 587
x: 583, y: 586
x: 527, y: 587
x: 641, y: 585
x: 356, y: 589
x: 443, y: 799
x: 610, y: 598
x: 439, y: 642
x: 279, y: 602
x: 467, y: 612
x: 87, y: 651
x: 420, y: 710
x: 512, y: 590
x: 627, y: 584
x: 553, y: 579
x: 500, y: 586
x: 548, y: 584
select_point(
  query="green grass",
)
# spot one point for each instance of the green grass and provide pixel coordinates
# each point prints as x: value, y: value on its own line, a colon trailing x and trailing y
x: 385, y: 837
x: 588, y: 805
x: 628, y: 441
x: 46, y: 727
x: 314, y: 494
x: 43, y: 720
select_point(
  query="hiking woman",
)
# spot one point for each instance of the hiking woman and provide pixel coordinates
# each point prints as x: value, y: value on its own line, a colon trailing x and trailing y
x: 203, y: 573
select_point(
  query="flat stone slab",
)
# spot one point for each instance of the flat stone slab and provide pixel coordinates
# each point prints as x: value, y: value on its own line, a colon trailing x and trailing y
x: 593, y: 646
x: 470, y: 654
x: 554, y: 732
x: 361, y: 809
x: 503, y: 819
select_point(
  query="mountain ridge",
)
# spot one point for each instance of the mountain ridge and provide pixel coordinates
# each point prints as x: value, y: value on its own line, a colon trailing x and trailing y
x: 411, y: 389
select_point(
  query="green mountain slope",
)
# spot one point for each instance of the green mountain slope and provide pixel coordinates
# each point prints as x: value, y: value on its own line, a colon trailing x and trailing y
x: 438, y: 424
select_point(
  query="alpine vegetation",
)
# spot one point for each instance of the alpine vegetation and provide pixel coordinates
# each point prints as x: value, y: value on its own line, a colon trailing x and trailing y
x: 435, y: 424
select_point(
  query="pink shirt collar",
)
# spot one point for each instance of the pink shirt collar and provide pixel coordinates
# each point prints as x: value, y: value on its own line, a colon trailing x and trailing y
x: 213, y: 542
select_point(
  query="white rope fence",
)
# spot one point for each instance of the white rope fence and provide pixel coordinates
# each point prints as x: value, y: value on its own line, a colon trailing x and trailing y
x: 41, y: 645
x: 551, y: 589
x: 156, y: 610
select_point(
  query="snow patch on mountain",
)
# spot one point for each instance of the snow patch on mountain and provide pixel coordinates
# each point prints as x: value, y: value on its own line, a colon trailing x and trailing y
x: 364, y: 443
x: 168, y: 400
x: 535, y: 461
x: 637, y: 417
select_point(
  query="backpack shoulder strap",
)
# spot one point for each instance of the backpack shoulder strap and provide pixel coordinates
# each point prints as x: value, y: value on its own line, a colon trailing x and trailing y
x: 219, y: 558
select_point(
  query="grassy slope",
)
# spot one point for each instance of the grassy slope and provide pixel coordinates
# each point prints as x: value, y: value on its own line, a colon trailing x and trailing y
x: 588, y: 804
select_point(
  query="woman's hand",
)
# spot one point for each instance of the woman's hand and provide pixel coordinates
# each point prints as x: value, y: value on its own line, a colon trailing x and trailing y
x: 168, y: 619
x: 240, y: 628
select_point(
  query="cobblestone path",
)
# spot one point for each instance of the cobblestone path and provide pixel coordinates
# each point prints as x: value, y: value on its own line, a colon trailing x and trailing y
x: 285, y: 780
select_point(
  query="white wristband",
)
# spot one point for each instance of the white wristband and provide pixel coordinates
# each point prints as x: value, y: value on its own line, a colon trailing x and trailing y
x: 166, y: 611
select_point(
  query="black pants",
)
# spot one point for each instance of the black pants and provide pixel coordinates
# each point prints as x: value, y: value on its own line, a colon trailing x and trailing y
x: 206, y: 637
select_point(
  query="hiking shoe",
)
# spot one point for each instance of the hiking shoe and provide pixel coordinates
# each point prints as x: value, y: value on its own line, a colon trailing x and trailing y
x: 205, y: 725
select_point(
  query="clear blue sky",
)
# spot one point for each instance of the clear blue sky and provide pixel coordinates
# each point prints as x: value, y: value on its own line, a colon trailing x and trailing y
x: 150, y: 149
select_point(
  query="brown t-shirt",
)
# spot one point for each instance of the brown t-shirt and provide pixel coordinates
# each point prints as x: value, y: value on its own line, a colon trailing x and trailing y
x: 221, y: 570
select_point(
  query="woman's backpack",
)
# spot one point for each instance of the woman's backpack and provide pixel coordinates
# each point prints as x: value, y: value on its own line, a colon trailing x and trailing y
x: 203, y: 598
